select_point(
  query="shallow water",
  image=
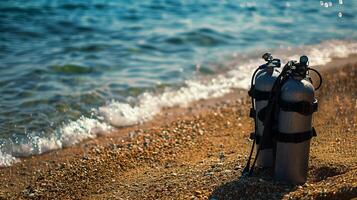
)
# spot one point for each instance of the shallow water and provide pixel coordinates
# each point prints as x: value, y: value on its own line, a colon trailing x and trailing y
x: 73, y: 70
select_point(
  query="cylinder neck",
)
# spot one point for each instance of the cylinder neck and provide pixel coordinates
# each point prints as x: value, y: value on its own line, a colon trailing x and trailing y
x: 300, y: 71
x: 269, y: 69
x: 298, y: 77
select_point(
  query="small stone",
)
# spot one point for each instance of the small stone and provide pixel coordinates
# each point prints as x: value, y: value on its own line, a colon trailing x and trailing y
x: 209, y: 174
x: 131, y: 134
x: 200, y: 131
x: 198, y: 192
x: 146, y: 142
x: 221, y: 156
x: 238, y: 167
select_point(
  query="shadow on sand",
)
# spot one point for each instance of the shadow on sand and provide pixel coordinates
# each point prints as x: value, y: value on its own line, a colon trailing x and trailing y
x: 262, y: 186
x: 258, y: 186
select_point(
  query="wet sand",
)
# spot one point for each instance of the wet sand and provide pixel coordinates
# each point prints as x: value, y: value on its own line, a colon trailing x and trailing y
x: 198, y: 152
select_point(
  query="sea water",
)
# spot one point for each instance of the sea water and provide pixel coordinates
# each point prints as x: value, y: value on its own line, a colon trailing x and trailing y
x: 73, y: 70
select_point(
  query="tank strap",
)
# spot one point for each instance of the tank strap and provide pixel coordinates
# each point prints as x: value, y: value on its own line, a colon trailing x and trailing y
x: 258, y: 95
x: 302, y: 107
x: 254, y: 136
x: 295, y: 137
x: 262, y: 113
x: 252, y: 113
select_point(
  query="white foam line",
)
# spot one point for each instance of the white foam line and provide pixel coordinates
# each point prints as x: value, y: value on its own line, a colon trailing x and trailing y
x: 70, y: 134
x: 6, y: 159
x: 123, y: 114
x: 323, y: 53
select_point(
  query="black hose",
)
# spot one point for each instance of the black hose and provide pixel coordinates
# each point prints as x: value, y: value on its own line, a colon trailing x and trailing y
x: 246, y: 169
x: 252, y: 86
x: 247, y: 166
x: 254, y: 161
x: 320, y: 77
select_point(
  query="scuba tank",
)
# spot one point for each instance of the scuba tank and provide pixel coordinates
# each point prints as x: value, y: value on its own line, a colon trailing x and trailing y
x: 261, y: 83
x: 282, y: 130
x: 296, y: 104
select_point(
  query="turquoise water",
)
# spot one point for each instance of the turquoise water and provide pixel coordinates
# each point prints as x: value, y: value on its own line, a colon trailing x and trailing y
x: 62, y: 60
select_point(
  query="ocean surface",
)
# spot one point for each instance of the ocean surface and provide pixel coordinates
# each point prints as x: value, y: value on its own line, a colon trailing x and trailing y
x: 73, y: 70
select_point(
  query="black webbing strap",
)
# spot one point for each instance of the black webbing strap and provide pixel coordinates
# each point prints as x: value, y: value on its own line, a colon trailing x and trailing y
x: 255, y: 136
x: 295, y: 137
x: 252, y: 113
x: 258, y: 95
x: 262, y: 113
x: 302, y: 107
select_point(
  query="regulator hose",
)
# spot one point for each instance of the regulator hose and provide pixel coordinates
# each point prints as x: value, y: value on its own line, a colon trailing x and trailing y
x: 247, y: 166
x: 319, y: 75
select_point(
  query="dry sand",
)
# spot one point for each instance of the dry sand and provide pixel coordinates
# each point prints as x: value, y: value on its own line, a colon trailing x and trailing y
x: 197, y: 153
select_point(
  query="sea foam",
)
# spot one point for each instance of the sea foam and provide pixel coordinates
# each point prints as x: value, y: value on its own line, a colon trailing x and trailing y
x: 148, y: 104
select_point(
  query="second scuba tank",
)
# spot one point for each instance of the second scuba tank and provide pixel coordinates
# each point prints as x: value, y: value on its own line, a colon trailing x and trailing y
x: 260, y: 92
x: 296, y: 105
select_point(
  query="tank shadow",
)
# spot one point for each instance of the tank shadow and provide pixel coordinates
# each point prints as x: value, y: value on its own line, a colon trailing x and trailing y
x: 324, y: 172
x: 258, y: 186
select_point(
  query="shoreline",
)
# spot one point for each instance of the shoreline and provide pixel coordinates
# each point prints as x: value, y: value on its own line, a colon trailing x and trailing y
x: 207, y: 140
x: 85, y: 125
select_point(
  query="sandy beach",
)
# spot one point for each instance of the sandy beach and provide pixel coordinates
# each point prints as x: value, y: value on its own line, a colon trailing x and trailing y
x: 198, y: 152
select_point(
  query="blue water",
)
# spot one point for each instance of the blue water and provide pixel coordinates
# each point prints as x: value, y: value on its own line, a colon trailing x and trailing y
x: 60, y: 59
